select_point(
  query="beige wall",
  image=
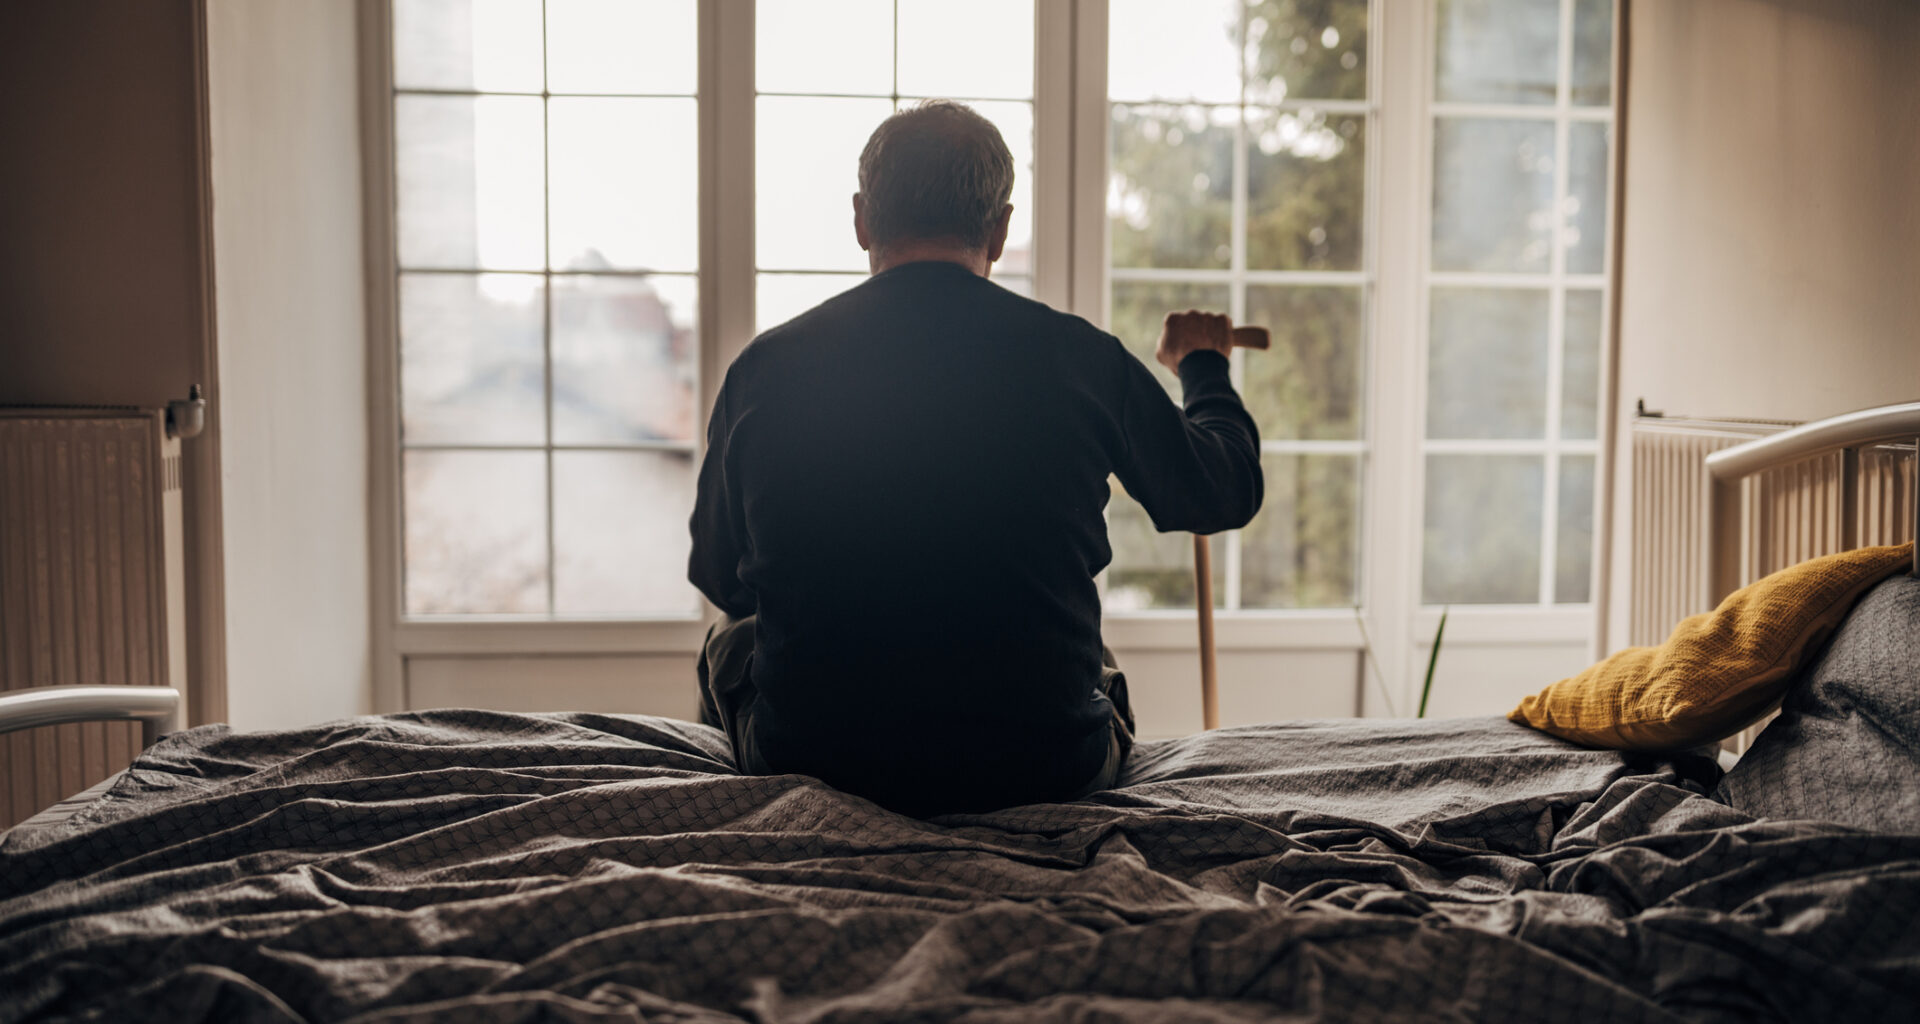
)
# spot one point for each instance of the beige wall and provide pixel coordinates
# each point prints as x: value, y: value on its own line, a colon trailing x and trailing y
x: 101, y: 284
x: 283, y: 95
x: 1771, y: 233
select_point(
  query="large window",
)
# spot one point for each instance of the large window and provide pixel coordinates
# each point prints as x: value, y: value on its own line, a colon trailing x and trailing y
x: 548, y: 260
x: 1521, y: 118
x: 596, y: 204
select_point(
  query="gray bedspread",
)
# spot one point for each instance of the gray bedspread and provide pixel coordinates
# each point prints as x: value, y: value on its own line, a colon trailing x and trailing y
x: 476, y: 866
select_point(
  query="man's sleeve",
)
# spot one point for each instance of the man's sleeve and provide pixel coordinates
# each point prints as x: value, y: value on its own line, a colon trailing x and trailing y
x: 719, y: 530
x: 1195, y: 468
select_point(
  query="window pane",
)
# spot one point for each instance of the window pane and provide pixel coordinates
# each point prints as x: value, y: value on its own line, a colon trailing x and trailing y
x: 1140, y: 307
x: 980, y: 49
x: 1170, y: 197
x: 1573, y: 568
x: 1152, y: 569
x: 479, y: 45
x: 1592, y: 52
x: 471, y: 182
x: 1308, y: 385
x: 1306, y: 51
x: 620, y: 539
x: 476, y: 533
x: 1493, y: 194
x: 471, y: 359
x: 824, y: 46
x: 1580, y: 366
x: 1300, y: 551
x: 624, y: 358
x: 625, y: 184
x: 1487, y: 363
x: 781, y: 297
x: 1586, y: 230
x: 1497, y: 51
x: 1173, y: 51
x: 1015, y: 121
x: 1482, y: 529
x: 621, y: 46
x: 1306, y: 190
x: 808, y: 151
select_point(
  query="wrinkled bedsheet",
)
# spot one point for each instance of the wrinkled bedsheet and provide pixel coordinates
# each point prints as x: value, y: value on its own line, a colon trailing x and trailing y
x: 480, y: 866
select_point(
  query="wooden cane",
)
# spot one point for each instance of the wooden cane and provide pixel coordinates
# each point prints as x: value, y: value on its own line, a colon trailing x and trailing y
x: 1243, y: 337
x: 1203, y: 601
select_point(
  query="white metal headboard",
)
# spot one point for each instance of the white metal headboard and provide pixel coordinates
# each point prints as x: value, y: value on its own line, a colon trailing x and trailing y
x: 1847, y: 434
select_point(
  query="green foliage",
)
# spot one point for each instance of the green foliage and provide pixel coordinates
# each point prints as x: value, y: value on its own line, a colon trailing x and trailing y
x: 1433, y: 662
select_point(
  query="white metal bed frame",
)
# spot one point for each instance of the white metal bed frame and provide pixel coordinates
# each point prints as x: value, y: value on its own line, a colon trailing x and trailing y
x: 1847, y: 434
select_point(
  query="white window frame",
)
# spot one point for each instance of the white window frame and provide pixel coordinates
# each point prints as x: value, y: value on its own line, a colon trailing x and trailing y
x: 1069, y: 272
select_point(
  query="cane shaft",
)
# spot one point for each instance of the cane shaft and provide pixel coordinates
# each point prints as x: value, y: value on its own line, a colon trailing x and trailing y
x: 1203, y: 603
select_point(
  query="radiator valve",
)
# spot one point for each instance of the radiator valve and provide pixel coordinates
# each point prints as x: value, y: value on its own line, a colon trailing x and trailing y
x: 187, y: 418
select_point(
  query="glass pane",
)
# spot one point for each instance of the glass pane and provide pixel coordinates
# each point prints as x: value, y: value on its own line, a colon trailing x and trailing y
x: 1308, y: 385
x: 1306, y: 190
x: 1586, y: 220
x: 471, y: 359
x: 1173, y: 51
x: 1301, y: 550
x: 1487, y: 363
x: 624, y: 358
x: 479, y: 45
x: 781, y: 297
x: 1141, y: 307
x: 1592, y: 52
x: 1492, y: 194
x: 1482, y: 529
x: 808, y: 151
x: 472, y: 182
x: 1170, y: 196
x: 982, y: 49
x: 625, y: 184
x: 621, y: 46
x: 620, y: 539
x: 1018, y: 284
x: 824, y: 46
x: 1497, y: 51
x: 476, y: 533
x: 1306, y: 51
x: 1580, y: 367
x: 1573, y: 566
x: 1015, y: 121
x: 1152, y: 569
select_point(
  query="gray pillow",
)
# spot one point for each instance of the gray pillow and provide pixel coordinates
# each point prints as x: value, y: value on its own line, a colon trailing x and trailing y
x: 1846, y: 746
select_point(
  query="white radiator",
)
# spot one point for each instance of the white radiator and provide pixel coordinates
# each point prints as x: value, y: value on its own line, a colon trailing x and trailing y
x: 91, y: 583
x: 1788, y: 515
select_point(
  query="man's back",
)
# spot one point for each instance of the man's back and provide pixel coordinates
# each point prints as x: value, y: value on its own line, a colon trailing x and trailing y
x: 906, y: 486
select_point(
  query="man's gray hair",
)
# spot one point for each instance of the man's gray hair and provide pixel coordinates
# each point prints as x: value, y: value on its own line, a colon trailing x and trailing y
x: 938, y: 170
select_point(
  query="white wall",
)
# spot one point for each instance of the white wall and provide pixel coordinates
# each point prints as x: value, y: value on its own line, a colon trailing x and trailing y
x: 1772, y: 217
x: 288, y: 271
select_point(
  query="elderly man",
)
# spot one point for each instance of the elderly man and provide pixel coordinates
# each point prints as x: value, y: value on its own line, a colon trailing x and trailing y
x: 900, y: 510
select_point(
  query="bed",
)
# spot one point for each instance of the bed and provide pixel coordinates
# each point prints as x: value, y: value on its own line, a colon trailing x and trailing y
x: 482, y: 866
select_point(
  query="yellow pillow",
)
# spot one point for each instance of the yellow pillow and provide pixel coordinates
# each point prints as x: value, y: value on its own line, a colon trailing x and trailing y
x: 1717, y: 672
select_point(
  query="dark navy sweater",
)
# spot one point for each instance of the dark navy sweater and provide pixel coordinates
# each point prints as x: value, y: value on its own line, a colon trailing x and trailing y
x: 906, y: 486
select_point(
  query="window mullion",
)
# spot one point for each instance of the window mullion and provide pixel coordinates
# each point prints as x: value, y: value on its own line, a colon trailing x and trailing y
x: 1087, y: 217
x: 546, y: 293
x: 1055, y: 47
